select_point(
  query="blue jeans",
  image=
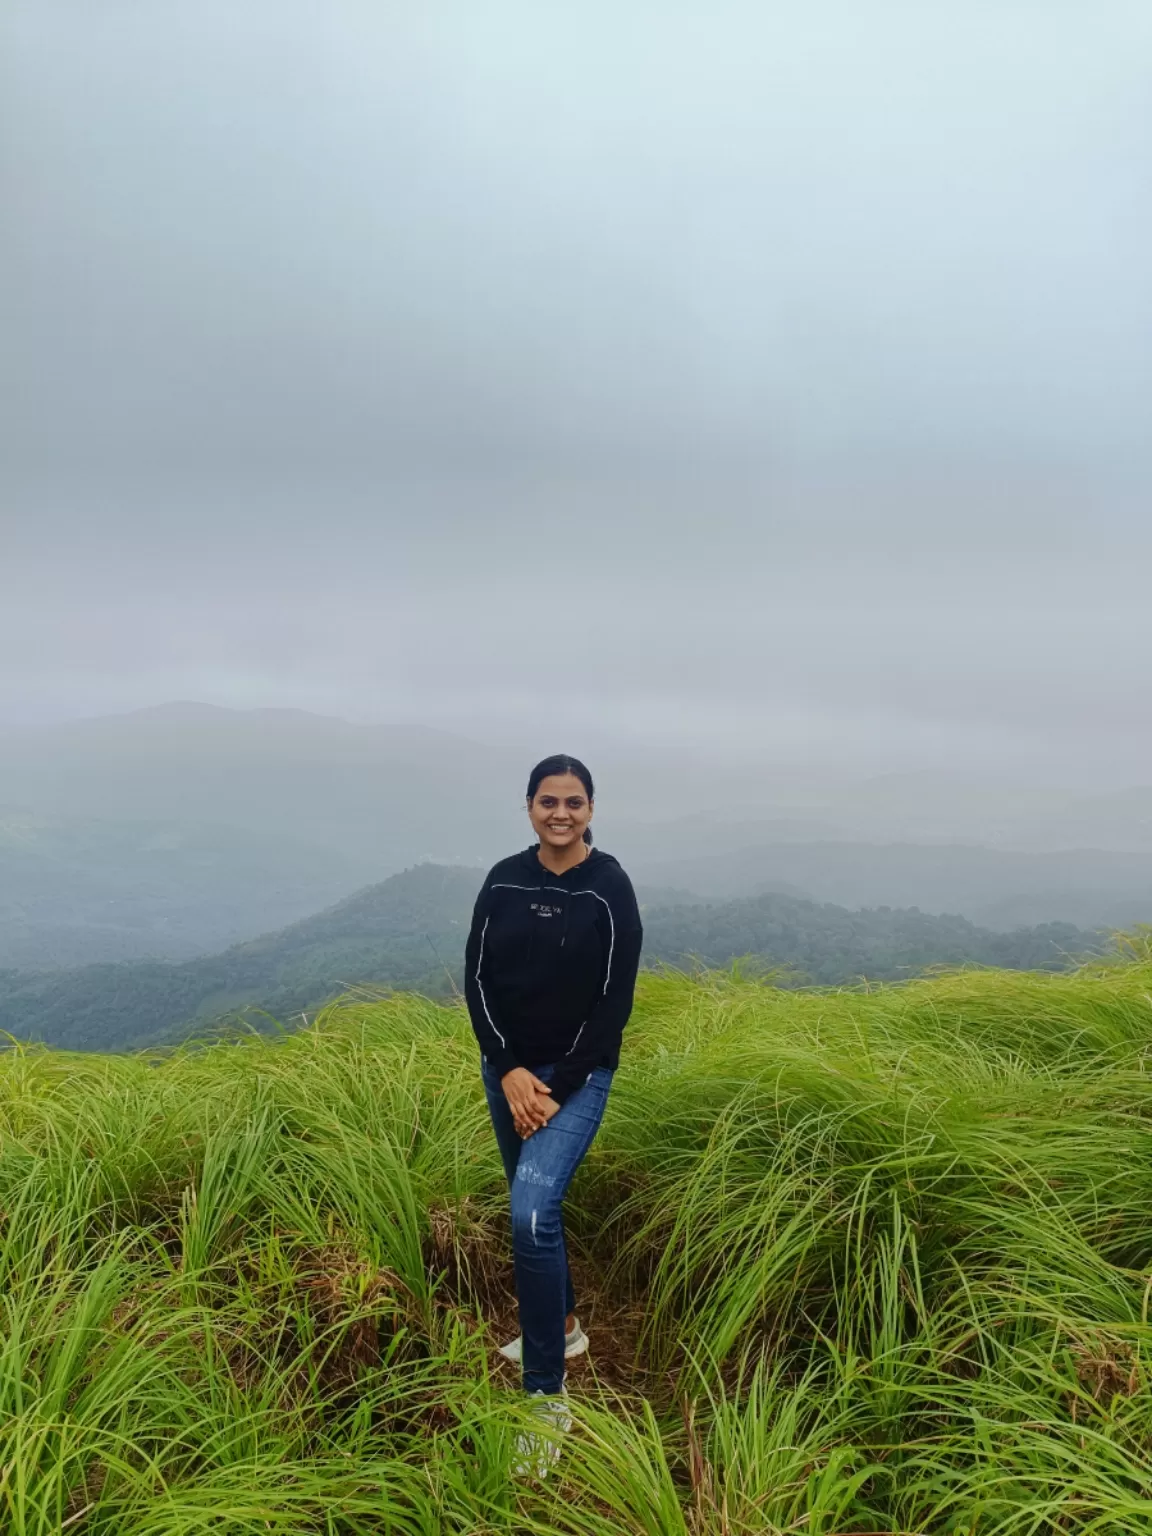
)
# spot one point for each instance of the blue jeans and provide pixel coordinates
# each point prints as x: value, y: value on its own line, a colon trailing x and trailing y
x: 539, y: 1170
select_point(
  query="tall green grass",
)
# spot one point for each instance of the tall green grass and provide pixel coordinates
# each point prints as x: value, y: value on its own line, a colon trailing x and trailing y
x: 873, y: 1260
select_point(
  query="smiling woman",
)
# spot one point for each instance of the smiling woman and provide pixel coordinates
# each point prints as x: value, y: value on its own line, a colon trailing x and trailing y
x: 550, y: 969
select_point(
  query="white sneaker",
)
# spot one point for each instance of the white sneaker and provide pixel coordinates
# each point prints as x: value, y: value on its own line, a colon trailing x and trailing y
x: 539, y: 1449
x: 575, y: 1343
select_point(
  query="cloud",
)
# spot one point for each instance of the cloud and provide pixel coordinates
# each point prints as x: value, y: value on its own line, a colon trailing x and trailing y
x: 776, y: 374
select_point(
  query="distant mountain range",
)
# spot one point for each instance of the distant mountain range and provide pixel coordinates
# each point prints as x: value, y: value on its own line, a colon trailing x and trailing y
x: 409, y: 932
x: 993, y: 887
x: 75, y: 890
x: 381, y: 796
x: 173, y: 832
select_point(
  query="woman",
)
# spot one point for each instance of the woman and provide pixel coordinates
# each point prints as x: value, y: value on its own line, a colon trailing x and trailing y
x: 550, y: 968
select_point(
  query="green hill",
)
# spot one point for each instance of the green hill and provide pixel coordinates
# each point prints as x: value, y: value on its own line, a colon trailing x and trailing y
x: 830, y: 944
x: 848, y: 1262
x: 387, y: 934
x: 409, y: 931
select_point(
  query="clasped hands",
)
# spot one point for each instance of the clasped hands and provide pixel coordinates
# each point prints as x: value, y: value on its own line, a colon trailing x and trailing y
x: 529, y: 1099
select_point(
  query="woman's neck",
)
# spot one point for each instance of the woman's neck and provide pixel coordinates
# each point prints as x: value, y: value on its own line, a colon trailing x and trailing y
x: 559, y: 861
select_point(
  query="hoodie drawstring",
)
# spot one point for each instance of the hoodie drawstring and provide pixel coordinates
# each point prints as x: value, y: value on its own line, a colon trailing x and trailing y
x: 567, y: 904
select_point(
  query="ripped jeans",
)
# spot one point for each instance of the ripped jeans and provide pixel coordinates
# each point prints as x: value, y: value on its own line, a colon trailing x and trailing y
x: 539, y: 1170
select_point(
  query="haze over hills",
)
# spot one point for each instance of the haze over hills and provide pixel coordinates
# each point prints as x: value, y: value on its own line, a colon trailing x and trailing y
x: 925, y: 807
x: 409, y: 932
x: 1120, y: 821
x: 931, y: 806
x: 995, y: 887
x: 75, y: 890
x: 380, y: 787
x: 380, y: 794
x: 176, y: 830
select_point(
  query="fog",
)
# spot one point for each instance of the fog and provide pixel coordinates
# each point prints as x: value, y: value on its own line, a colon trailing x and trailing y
x: 764, y: 386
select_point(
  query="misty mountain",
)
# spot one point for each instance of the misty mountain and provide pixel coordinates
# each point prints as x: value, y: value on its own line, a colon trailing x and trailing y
x: 1120, y: 821
x: 831, y: 945
x: 394, y: 933
x: 381, y: 796
x: 409, y: 932
x: 940, y: 807
x: 175, y: 831
x: 705, y: 834
x: 926, y: 806
x: 76, y: 890
x: 392, y: 794
x: 997, y: 888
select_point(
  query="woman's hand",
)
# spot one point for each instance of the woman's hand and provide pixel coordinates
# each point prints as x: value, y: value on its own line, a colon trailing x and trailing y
x: 528, y: 1099
x: 548, y: 1107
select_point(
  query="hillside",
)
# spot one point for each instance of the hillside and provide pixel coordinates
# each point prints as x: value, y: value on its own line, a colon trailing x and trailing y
x: 829, y: 944
x: 386, y: 934
x: 848, y: 1262
x: 409, y: 932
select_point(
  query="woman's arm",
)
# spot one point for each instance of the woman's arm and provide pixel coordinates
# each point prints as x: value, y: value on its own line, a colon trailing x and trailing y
x: 478, y: 989
x: 605, y: 1024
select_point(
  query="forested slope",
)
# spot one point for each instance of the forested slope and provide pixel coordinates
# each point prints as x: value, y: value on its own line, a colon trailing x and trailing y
x: 408, y: 932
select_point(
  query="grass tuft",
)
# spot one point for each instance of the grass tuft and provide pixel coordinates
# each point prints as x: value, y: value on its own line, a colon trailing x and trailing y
x: 858, y: 1260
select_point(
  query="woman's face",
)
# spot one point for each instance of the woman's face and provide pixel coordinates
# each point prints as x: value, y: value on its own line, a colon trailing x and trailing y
x: 560, y: 811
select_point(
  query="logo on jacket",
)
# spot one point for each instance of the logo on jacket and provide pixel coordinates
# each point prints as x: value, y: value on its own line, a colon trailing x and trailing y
x: 542, y: 909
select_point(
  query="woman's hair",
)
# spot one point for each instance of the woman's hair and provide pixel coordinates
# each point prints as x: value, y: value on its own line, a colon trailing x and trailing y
x: 561, y: 763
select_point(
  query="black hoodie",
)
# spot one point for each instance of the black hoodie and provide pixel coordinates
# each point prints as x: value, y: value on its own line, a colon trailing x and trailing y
x: 550, y: 965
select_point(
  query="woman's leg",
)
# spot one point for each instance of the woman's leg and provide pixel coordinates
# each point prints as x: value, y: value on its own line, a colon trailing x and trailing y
x: 511, y: 1143
x: 548, y: 1159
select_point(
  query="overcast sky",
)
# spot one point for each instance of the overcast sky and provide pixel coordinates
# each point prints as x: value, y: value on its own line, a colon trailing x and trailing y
x: 770, y: 381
